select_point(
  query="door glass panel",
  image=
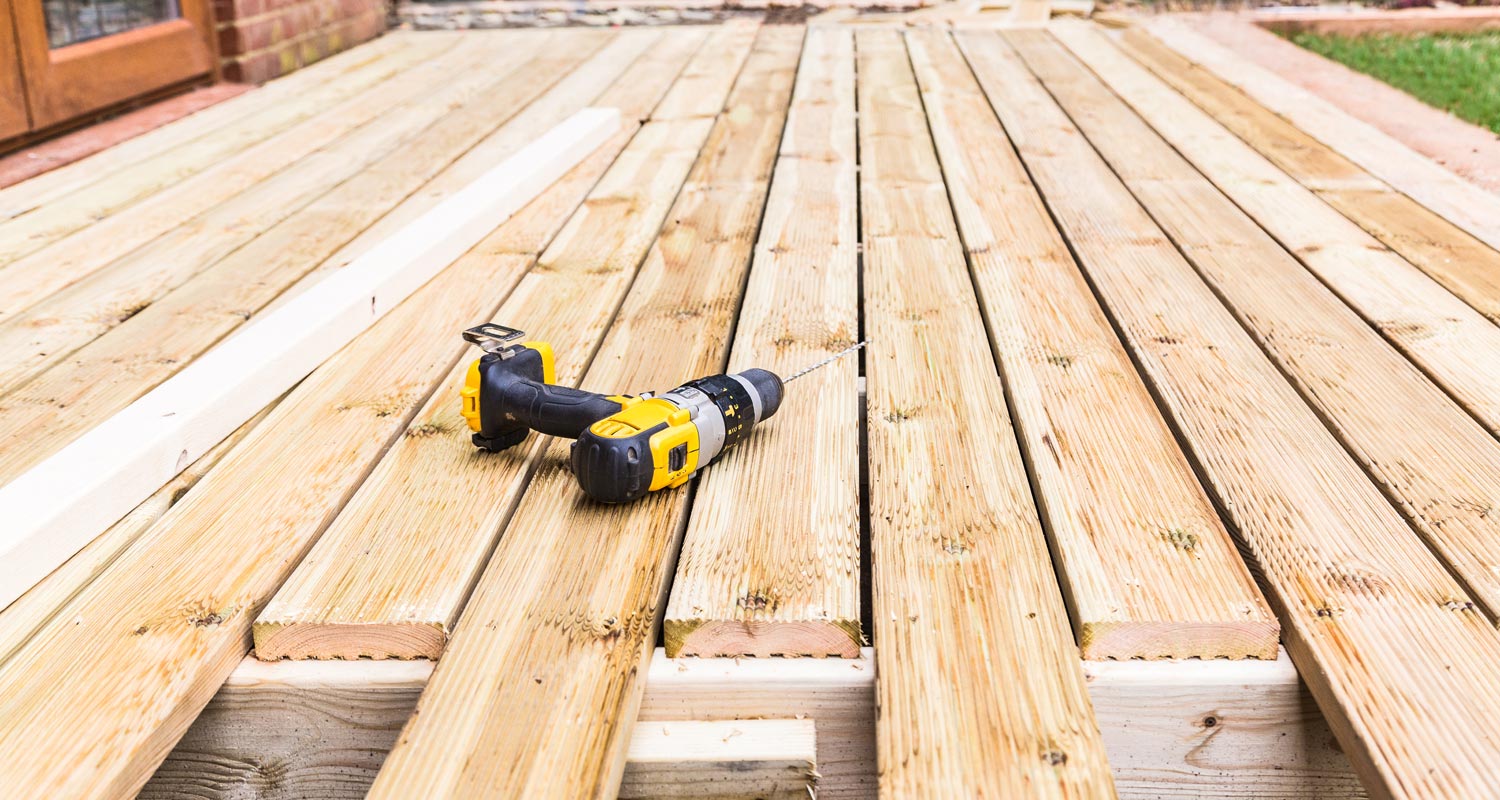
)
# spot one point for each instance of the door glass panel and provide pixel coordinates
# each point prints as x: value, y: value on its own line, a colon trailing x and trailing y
x: 74, y: 21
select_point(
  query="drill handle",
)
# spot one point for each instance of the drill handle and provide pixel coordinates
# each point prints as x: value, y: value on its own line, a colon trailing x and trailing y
x: 556, y: 410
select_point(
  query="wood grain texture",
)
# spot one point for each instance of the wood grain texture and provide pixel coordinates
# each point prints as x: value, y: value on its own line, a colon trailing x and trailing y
x: 45, y: 333
x: 1439, y: 466
x: 1466, y: 266
x: 1147, y: 566
x: 1450, y: 341
x: 1466, y: 205
x: 29, y: 279
x: 543, y: 676
x: 765, y: 570
x: 320, y: 730
x: 34, y: 609
x: 29, y: 195
x: 208, y: 169
x: 768, y: 759
x: 1394, y: 650
x: 185, y: 594
x: 392, y: 574
x: 105, y: 375
x: 957, y: 554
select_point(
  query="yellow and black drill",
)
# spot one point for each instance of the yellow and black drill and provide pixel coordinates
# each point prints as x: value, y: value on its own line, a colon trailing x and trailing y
x: 626, y: 445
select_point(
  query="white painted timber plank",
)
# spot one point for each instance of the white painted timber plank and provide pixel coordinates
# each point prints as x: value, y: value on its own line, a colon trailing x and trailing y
x: 61, y: 504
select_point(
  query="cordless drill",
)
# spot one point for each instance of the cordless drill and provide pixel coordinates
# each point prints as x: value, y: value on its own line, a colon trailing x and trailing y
x: 626, y: 445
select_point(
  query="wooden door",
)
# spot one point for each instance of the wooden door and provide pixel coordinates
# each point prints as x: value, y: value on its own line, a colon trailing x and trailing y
x: 78, y: 56
x: 14, y: 120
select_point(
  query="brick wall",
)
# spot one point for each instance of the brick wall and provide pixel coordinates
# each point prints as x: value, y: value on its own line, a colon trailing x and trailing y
x: 261, y: 39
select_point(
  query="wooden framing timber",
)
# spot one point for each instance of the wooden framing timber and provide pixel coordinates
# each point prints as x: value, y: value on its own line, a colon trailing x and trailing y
x: 1437, y: 464
x: 1347, y: 577
x: 44, y: 414
x: 186, y: 592
x: 1230, y: 729
x: 59, y: 505
x: 31, y: 279
x: 1145, y: 562
x: 1452, y: 256
x: 763, y: 572
x: 958, y: 557
x: 1466, y: 205
x: 360, y: 592
x: 544, y: 674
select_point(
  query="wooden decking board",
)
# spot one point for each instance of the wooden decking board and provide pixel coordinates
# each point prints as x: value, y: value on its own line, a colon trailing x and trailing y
x: 963, y: 583
x: 1463, y: 264
x: 47, y: 333
x: 1466, y: 205
x: 1147, y: 565
x: 172, y: 172
x: 28, y: 613
x: 764, y: 570
x: 65, y: 262
x: 185, y: 594
x: 544, y: 675
x: 58, y: 183
x: 1392, y: 648
x: 1453, y: 343
x: 105, y: 375
x: 1440, y: 467
x: 391, y: 575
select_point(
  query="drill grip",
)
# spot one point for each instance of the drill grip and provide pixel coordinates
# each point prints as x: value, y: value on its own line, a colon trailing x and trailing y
x: 555, y: 410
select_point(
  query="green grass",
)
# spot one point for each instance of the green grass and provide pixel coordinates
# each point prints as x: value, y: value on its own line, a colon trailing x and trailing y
x: 1455, y: 72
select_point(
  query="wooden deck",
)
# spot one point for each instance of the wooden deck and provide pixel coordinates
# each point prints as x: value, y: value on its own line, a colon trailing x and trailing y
x: 1180, y: 385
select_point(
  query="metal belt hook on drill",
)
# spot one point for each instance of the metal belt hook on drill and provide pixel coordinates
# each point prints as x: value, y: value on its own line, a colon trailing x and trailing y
x: 625, y: 445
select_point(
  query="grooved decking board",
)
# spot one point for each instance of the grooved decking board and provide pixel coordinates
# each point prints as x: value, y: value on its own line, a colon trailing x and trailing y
x: 1446, y: 338
x: 1466, y: 205
x: 108, y: 373
x: 390, y: 577
x: 1147, y: 565
x: 770, y: 564
x: 46, y: 333
x: 32, y: 610
x: 1438, y: 465
x: 222, y: 164
x: 31, y: 194
x: 541, y: 684
x: 977, y: 677
x: 28, y: 280
x: 1466, y: 266
x: 1394, y: 651
x: 185, y: 593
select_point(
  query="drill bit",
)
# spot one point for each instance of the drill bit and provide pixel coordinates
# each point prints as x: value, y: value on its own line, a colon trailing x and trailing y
x: 825, y: 362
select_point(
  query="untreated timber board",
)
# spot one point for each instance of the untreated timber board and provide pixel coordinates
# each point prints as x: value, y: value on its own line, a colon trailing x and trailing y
x: 1466, y: 205
x: 1149, y: 570
x: 97, y: 380
x: 1440, y: 467
x: 59, y: 505
x: 1449, y: 340
x: 1393, y: 649
x: 185, y: 594
x: 1466, y: 266
x: 957, y: 554
x: 46, y: 333
x: 392, y: 573
x: 34, y: 277
x: 543, y: 676
x: 764, y: 570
